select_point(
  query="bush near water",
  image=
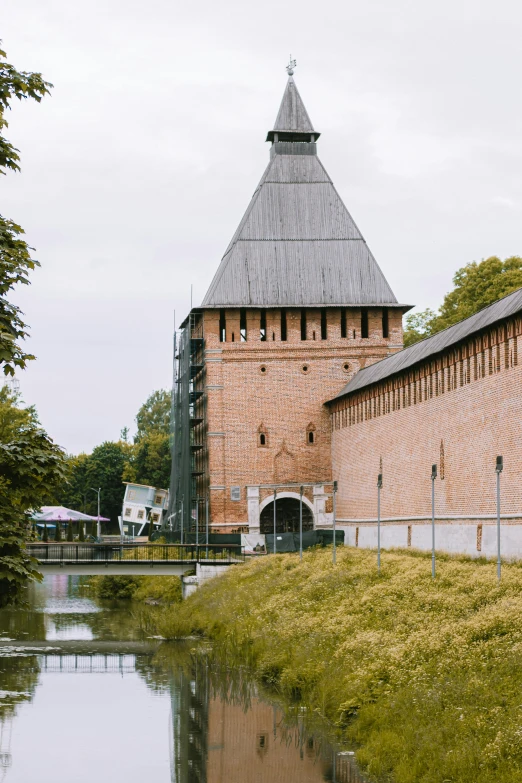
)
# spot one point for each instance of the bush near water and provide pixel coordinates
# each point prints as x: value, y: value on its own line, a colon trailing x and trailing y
x: 424, y: 676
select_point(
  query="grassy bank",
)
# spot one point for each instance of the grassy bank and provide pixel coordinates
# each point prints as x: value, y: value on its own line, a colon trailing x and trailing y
x: 425, y: 676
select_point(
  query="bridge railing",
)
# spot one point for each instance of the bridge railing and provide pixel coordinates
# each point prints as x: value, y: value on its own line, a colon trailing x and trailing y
x: 67, y: 553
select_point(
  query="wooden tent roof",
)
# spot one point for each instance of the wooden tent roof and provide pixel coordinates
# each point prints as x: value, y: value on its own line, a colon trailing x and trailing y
x: 297, y: 245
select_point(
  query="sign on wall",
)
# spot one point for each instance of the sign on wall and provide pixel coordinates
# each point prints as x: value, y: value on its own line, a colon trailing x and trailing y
x: 235, y: 493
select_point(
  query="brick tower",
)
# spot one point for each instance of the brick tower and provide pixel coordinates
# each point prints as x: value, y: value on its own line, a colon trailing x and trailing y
x: 297, y: 306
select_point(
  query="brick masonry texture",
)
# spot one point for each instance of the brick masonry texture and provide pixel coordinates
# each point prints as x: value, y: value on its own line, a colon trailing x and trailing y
x: 283, y: 401
x: 459, y: 411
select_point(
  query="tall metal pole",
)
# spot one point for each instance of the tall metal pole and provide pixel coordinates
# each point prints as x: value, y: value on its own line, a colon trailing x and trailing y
x: 379, y: 486
x: 433, y: 477
x: 197, y: 523
x: 499, y: 467
x: 275, y: 501
x: 206, y: 522
x: 301, y: 523
x: 334, y: 550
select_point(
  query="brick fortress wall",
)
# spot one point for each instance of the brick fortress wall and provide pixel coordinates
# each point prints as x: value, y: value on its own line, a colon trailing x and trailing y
x: 459, y: 411
x: 257, y: 386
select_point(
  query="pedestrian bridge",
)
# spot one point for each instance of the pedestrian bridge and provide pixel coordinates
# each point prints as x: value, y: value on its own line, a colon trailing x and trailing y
x: 81, y: 559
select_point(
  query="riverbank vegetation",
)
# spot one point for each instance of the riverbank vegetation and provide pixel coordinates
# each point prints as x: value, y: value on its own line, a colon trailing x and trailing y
x: 423, y: 676
x: 164, y: 590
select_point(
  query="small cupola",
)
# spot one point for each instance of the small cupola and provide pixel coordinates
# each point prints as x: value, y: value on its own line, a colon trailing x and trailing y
x: 292, y: 123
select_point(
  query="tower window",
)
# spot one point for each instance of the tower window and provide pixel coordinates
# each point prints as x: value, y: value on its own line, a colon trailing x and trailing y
x: 262, y: 436
x: 385, y: 326
x: 364, y: 323
x: 262, y: 326
x: 303, y: 324
x: 283, y: 325
x: 242, y: 325
x: 343, y: 322
x: 323, y: 324
x: 222, y: 327
x: 310, y: 434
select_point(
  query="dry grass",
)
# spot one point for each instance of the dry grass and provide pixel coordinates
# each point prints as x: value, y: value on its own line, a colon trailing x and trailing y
x: 426, y: 676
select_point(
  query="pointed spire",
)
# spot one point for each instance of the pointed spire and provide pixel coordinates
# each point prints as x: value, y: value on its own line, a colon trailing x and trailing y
x: 292, y: 118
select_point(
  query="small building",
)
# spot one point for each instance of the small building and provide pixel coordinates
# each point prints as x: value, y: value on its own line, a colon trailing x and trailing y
x: 142, y: 504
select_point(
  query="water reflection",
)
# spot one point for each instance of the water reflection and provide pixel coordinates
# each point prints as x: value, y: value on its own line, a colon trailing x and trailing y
x: 142, y: 709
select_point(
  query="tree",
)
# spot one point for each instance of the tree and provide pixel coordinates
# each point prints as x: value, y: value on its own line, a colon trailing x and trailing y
x: 154, y: 415
x: 45, y: 534
x: 15, y: 253
x: 75, y: 492
x: 81, y: 532
x: 31, y: 466
x: 418, y: 326
x: 152, y: 460
x: 105, y: 469
x: 58, y: 533
x: 477, y: 285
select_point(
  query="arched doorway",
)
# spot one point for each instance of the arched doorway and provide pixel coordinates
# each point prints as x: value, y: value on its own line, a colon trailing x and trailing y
x: 287, y: 516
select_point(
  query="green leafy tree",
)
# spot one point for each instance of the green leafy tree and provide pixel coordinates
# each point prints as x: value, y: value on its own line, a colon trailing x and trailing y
x: 81, y: 532
x: 104, y: 469
x: 75, y: 492
x: 477, y: 285
x: 31, y: 466
x: 418, y: 326
x: 15, y: 254
x: 152, y: 460
x: 58, y: 533
x: 154, y: 415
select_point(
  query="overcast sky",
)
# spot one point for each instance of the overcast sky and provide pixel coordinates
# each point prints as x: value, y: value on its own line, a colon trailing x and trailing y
x: 138, y: 169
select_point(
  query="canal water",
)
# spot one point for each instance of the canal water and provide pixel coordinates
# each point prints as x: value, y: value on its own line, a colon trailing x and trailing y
x: 86, y: 695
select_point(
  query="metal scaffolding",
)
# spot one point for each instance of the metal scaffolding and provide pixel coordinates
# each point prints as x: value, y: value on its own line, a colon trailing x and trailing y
x: 189, y: 477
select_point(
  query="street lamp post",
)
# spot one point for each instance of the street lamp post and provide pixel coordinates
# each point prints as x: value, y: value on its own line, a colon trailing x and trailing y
x: 206, y: 523
x: 498, y: 469
x: 301, y: 490
x: 433, y: 477
x: 98, y: 492
x: 148, y: 517
x: 334, y: 550
x: 379, y: 487
x: 275, y: 501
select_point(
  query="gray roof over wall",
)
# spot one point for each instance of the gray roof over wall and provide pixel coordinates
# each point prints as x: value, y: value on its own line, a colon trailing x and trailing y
x: 431, y: 346
x: 297, y: 245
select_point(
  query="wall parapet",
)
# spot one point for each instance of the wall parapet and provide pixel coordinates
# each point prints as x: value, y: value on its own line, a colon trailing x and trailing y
x: 486, y: 353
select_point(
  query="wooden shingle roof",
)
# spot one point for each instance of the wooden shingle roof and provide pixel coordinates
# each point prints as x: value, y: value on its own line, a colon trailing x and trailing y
x: 297, y: 245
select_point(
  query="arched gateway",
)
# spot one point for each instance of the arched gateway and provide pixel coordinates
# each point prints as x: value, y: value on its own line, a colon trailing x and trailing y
x: 287, y: 515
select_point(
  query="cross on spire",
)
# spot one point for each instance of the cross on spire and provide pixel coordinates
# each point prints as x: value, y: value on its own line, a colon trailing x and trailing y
x: 291, y: 66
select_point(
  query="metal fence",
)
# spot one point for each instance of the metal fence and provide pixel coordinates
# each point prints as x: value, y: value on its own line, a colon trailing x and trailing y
x: 131, y: 553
